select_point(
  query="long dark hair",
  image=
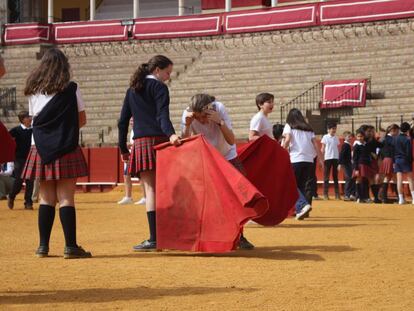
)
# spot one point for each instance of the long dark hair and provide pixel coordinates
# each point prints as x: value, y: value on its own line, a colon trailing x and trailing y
x: 138, y: 78
x: 296, y: 121
x: 51, y: 76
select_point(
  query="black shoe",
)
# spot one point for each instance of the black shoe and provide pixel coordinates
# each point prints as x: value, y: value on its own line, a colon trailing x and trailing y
x: 377, y: 201
x: 387, y: 201
x: 244, y: 244
x: 75, y: 252
x: 10, y: 203
x: 146, y: 246
x: 42, y: 251
x: 28, y: 206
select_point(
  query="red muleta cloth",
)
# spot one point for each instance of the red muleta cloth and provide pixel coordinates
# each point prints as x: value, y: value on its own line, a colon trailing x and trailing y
x: 268, y: 167
x: 7, y: 145
x: 202, y: 201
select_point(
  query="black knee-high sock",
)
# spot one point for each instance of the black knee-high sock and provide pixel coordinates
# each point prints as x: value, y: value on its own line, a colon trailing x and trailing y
x: 385, y: 191
x: 152, y: 226
x: 45, y: 222
x: 375, y: 190
x: 358, y: 191
x: 68, y: 219
x: 365, y: 189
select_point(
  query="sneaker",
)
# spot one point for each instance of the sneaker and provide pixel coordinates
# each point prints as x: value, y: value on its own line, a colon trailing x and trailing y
x: 10, y: 203
x: 316, y: 198
x: 251, y: 222
x: 244, y: 244
x: 302, y: 213
x: 146, y: 246
x: 75, y: 252
x: 42, y: 251
x: 142, y: 201
x: 126, y: 200
x: 347, y: 199
x: 402, y: 202
x: 352, y: 197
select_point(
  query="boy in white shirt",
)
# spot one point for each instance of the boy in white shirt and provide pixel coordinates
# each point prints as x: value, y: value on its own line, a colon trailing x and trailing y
x: 260, y: 124
x: 330, y: 150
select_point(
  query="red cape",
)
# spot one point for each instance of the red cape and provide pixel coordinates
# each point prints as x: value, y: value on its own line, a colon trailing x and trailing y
x: 7, y: 145
x: 202, y: 200
x: 268, y: 167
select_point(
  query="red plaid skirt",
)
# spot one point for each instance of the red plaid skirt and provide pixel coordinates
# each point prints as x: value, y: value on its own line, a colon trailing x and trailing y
x: 374, y: 166
x: 143, y: 154
x: 365, y: 171
x: 71, y: 165
x: 387, y: 166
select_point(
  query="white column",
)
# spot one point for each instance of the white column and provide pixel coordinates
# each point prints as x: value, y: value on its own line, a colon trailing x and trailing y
x: 136, y: 8
x: 274, y: 3
x: 92, y: 9
x: 181, y: 8
x: 50, y: 11
x: 228, y: 5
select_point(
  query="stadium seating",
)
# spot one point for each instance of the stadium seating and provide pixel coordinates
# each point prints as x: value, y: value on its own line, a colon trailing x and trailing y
x: 235, y: 68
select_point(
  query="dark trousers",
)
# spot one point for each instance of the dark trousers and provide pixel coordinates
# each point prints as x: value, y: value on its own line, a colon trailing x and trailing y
x: 18, y: 182
x: 349, y: 181
x: 328, y: 165
x: 303, y: 174
x: 313, y: 180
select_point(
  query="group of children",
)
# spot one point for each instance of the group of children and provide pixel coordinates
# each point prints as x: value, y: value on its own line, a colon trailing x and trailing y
x: 56, y: 160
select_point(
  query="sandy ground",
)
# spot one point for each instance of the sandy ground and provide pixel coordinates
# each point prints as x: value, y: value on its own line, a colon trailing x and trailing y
x: 346, y: 257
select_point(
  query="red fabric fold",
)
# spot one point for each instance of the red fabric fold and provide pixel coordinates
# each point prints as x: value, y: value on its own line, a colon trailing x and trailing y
x: 7, y: 145
x: 202, y: 200
x: 268, y: 167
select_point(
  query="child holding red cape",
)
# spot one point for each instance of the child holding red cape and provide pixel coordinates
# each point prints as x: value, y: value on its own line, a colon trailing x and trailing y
x: 209, y: 117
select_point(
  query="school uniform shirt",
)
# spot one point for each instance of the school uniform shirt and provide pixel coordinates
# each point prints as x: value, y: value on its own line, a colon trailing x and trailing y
x: 261, y: 124
x: 387, y: 150
x: 212, y: 132
x: 361, y: 155
x: 38, y: 101
x: 301, y: 148
x: 345, y: 156
x: 331, y: 147
x: 22, y: 135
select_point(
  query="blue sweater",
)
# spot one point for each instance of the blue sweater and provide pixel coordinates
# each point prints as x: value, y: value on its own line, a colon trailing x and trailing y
x: 150, y: 110
x: 403, y: 148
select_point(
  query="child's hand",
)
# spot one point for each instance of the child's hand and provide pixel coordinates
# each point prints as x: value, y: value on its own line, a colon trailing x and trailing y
x: 175, y: 140
x: 213, y: 116
x: 189, y: 117
x: 339, y: 167
x: 356, y: 173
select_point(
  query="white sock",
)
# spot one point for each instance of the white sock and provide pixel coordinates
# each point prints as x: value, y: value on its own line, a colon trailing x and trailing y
x: 412, y: 196
x: 401, y: 197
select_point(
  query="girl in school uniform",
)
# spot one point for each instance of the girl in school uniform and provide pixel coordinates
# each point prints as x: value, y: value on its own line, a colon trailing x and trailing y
x: 363, y: 169
x: 147, y: 102
x: 55, y: 157
x: 260, y: 124
x: 387, y: 156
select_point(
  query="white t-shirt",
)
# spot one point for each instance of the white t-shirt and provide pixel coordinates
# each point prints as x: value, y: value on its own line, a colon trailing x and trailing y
x: 38, y: 101
x: 331, y: 147
x: 212, y: 132
x: 261, y: 124
x: 301, y: 148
